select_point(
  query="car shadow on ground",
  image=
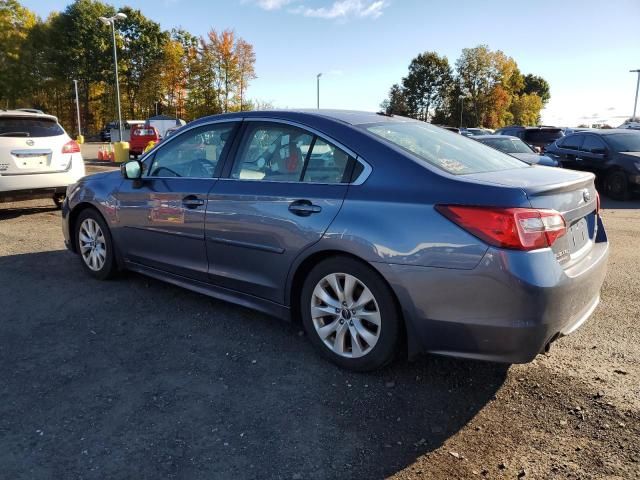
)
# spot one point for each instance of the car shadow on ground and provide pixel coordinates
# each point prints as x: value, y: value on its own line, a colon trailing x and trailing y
x: 632, y: 204
x: 14, y: 211
x: 103, y: 379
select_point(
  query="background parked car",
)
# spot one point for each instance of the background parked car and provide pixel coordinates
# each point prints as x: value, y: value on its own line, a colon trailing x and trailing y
x: 613, y: 155
x: 473, y: 132
x: 37, y: 157
x: 105, y: 133
x: 538, y: 137
x: 141, y: 135
x: 516, y: 148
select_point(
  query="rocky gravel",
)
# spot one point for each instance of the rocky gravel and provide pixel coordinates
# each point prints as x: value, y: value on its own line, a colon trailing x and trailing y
x: 135, y: 378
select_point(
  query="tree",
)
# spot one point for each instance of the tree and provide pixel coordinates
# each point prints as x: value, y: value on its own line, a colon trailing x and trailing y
x: 246, y: 70
x: 16, y: 23
x: 526, y: 109
x: 426, y: 85
x: 539, y: 86
x: 477, y: 75
x: 396, y: 103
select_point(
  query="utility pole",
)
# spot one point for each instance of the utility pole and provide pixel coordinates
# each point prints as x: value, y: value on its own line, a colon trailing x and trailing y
x: 461, y: 108
x: 318, y: 88
x: 635, y: 103
x: 75, y: 84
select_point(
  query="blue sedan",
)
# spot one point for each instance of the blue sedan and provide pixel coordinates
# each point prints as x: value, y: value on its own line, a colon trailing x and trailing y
x: 370, y: 230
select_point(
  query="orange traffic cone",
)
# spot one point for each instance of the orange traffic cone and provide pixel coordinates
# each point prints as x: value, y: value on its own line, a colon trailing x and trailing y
x: 112, y: 154
x: 100, y: 153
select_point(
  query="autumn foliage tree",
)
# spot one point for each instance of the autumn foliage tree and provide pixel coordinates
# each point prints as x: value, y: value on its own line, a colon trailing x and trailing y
x: 487, y: 89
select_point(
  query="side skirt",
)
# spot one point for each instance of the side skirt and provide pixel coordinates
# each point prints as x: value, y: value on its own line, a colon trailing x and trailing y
x: 220, y: 293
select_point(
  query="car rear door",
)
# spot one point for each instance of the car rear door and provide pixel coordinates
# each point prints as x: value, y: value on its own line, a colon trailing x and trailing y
x: 161, y: 216
x: 593, y: 151
x: 283, y: 189
x: 569, y: 151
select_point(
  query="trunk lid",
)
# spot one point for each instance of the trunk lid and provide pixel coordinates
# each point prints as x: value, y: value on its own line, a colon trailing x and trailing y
x: 569, y: 192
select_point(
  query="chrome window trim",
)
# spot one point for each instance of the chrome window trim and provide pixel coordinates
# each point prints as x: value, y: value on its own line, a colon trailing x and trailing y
x: 358, y: 181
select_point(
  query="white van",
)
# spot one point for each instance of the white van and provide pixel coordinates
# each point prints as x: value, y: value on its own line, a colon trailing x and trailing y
x: 37, y: 157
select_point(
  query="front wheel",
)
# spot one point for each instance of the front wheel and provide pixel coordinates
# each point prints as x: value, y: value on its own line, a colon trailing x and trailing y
x: 95, y: 245
x: 617, y: 185
x: 350, y: 315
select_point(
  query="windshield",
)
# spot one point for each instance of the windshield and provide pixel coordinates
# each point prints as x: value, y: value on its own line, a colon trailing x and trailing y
x: 449, y: 151
x: 625, y: 142
x: 507, y: 145
x: 29, y: 127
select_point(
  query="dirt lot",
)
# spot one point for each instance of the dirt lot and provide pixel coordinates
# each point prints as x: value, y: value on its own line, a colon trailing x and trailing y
x: 134, y: 378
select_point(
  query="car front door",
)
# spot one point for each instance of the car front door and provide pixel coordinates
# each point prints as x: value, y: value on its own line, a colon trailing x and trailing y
x: 162, y: 214
x: 281, y: 192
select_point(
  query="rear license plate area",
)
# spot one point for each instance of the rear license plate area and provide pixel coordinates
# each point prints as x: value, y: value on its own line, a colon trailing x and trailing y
x: 578, y: 235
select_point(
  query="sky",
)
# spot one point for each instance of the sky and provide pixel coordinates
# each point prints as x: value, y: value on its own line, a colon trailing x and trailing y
x: 584, y: 49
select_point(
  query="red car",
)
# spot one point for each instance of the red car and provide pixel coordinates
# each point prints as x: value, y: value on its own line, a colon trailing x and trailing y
x: 141, y: 135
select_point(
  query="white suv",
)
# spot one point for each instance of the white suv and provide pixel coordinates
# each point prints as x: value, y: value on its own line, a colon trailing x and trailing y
x: 37, y: 157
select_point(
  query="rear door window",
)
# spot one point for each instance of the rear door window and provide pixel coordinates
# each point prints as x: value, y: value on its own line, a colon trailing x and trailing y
x: 593, y: 144
x: 326, y: 164
x: 572, y: 142
x: 29, y: 127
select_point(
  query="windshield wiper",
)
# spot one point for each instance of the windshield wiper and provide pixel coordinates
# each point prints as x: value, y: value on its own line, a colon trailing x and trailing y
x: 14, y: 134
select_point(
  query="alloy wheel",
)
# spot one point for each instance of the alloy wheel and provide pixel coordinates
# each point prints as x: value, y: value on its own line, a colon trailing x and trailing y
x: 345, y: 315
x: 93, y: 246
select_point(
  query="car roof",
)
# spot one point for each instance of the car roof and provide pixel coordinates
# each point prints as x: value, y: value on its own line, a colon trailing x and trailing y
x: 607, y: 131
x: 350, y: 117
x: 27, y: 114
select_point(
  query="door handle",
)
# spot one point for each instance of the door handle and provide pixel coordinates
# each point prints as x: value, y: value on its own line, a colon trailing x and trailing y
x: 304, y: 208
x: 191, y: 201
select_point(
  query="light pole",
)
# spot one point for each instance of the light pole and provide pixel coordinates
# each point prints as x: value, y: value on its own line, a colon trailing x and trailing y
x: 156, y: 108
x: 635, y: 104
x: 75, y: 84
x: 318, y: 88
x: 112, y: 21
x: 461, y: 97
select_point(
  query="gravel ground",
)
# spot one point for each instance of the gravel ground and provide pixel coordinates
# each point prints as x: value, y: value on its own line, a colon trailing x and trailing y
x: 134, y: 378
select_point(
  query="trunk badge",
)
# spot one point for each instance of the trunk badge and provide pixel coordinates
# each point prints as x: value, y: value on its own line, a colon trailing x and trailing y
x: 586, y: 196
x: 30, y: 142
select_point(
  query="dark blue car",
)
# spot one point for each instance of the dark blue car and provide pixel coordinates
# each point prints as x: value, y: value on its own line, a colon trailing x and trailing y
x: 370, y: 230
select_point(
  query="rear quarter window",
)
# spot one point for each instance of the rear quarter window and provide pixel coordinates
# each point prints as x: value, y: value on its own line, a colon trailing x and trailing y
x: 29, y: 127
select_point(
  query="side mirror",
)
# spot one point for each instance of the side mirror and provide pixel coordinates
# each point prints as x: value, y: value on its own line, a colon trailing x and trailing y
x: 131, y: 170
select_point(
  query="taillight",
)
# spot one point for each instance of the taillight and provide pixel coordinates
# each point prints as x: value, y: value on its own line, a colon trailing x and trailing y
x: 513, y: 228
x: 71, y: 147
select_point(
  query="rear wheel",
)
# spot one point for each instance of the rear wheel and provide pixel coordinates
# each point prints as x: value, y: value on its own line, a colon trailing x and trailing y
x: 349, y: 314
x: 617, y: 185
x: 95, y: 245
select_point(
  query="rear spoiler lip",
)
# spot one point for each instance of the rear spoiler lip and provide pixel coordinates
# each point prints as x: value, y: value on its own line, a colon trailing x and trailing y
x: 568, y: 186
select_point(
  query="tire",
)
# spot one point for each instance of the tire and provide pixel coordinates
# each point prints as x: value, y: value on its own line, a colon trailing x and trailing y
x: 92, y: 235
x: 616, y: 185
x: 354, y: 335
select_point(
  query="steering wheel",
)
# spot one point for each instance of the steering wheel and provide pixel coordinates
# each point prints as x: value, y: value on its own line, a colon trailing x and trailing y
x: 201, y: 167
x: 172, y: 172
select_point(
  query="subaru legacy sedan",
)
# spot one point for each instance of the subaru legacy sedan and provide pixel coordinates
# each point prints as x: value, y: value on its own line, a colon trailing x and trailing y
x: 370, y: 230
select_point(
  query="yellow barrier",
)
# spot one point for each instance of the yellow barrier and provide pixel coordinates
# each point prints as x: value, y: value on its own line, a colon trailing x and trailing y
x: 80, y: 139
x: 121, y: 152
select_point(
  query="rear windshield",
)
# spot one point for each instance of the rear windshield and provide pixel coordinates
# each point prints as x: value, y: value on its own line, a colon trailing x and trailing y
x: 29, y: 127
x: 625, y: 142
x: 448, y: 151
x: 542, y: 136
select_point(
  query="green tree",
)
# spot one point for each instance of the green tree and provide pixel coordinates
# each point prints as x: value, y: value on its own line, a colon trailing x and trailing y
x: 427, y: 84
x: 396, y: 103
x: 539, y: 86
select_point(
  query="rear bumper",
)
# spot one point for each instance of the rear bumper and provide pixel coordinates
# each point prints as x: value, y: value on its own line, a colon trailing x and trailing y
x: 40, y: 184
x: 506, y: 310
